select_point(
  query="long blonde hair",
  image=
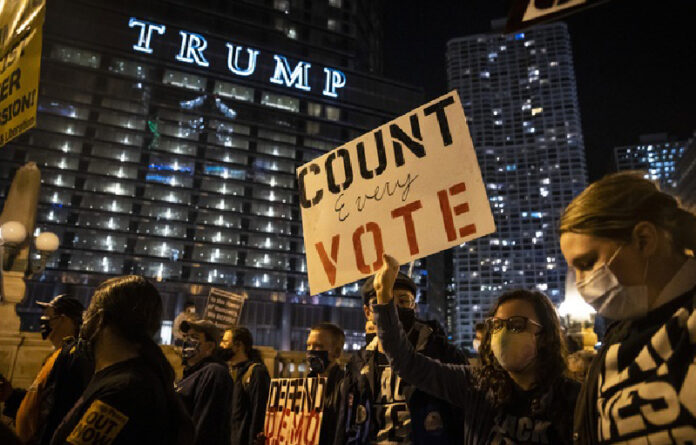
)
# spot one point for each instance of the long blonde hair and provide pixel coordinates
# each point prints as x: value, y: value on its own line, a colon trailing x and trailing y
x: 611, y: 208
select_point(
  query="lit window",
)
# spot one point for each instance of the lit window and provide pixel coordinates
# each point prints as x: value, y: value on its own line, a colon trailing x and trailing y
x: 76, y: 56
x: 184, y: 80
x: 336, y: 3
x: 332, y: 24
x: 333, y: 113
x: 129, y: 68
x: 314, y: 109
x: 279, y: 101
x: 231, y: 90
x: 282, y: 5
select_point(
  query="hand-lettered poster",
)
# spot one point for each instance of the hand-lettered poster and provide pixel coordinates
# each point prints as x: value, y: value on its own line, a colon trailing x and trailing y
x: 409, y: 188
x: 294, y: 411
x: 224, y: 308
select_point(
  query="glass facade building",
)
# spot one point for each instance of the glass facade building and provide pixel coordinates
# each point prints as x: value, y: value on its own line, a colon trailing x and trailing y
x: 657, y: 154
x: 520, y: 99
x: 686, y: 175
x: 168, y: 135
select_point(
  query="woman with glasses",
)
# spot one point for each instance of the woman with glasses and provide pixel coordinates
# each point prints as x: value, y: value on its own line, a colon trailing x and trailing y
x: 519, y: 394
x: 632, y: 248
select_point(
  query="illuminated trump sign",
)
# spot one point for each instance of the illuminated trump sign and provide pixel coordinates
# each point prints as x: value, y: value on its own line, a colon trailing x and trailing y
x: 241, y: 61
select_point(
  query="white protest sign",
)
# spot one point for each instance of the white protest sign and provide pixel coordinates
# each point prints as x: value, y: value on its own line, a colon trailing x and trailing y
x: 410, y: 188
x: 294, y: 411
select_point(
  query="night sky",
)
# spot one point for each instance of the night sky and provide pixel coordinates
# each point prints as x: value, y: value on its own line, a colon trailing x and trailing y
x: 635, y: 63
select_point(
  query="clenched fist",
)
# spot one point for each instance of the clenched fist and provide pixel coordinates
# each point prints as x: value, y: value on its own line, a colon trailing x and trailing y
x: 385, y: 278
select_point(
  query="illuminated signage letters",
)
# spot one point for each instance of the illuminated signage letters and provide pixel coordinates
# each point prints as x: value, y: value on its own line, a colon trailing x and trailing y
x: 241, y: 60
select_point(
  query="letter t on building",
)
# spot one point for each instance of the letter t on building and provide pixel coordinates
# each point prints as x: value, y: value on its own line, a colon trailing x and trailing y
x: 146, y: 29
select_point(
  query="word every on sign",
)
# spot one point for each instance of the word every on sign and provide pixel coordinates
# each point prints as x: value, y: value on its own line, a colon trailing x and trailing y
x: 241, y: 60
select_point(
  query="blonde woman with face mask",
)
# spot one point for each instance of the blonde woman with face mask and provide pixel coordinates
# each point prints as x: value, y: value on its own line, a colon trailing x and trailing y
x: 518, y: 395
x: 632, y: 248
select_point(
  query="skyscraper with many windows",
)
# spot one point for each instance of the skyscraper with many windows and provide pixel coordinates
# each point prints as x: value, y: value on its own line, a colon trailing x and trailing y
x: 657, y: 154
x: 520, y: 99
x: 168, y: 135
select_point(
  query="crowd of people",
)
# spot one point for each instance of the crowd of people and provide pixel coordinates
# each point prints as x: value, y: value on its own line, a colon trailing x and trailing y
x: 632, y: 250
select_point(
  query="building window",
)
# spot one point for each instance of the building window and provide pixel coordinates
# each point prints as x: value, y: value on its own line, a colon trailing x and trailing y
x: 233, y: 91
x: 314, y: 109
x: 278, y: 137
x: 82, y: 57
x: 336, y: 3
x: 129, y: 68
x: 282, y: 102
x: 184, y: 80
x: 333, y: 113
x: 332, y: 24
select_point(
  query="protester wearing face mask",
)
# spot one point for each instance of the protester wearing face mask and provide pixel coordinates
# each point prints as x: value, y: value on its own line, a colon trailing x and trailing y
x: 387, y: 409
x: 251, y: 386
x: 206, y: 388
x: 324, y: 348
x: 188, y: 314
x: 632, y: 248
x: 63, y: 376
x: 131, y: 398
x: 518, y: 395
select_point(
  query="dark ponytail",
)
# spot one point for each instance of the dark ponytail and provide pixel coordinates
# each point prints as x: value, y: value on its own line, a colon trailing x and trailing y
x: 133, y: 307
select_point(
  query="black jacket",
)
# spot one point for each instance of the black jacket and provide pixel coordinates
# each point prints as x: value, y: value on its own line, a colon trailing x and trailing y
x: 206, y: 390
x: 662, y: 341
x: 433, y: 421
x: 534, y: 416
x: 332, y: 421
x: 249, y: 397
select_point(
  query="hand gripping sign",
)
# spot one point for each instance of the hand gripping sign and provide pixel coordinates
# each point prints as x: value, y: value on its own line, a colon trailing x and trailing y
x: 411, y: 188
x: 294, y: 411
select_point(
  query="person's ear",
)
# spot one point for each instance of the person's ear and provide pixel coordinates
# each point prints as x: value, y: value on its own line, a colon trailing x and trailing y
x: 367, y: 311
x: 646, y: 238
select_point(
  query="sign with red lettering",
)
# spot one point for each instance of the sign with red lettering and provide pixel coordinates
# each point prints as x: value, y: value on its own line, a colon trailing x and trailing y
x: 410, y: 188
x: 294, y: 411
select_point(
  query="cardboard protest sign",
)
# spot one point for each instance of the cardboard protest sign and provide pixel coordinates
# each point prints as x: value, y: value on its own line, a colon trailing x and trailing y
x: 294, y: 411
x: 525, y: 13
x: 224, y: 308
x: 410, y: 188
x: 19, y: 68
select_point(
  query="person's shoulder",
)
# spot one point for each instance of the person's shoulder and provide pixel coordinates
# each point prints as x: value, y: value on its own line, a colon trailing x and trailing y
x: 569, y: 388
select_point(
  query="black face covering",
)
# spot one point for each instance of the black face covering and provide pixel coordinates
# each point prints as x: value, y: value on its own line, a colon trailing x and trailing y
x: 318, y: 362
x: 226, y: 354
x: 407, y: 317
x: 45, y: 325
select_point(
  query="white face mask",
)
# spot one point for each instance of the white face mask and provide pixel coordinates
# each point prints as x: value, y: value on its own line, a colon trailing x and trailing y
x: 515, y: 351
x: 609, y: 298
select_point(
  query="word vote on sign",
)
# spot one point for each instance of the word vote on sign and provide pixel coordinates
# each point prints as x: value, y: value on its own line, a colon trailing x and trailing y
x: 410, y: 188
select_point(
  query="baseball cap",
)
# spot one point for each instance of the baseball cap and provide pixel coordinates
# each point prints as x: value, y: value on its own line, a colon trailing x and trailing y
x: 207, y: 327
x: 65, y: 305
x: 402, y: 282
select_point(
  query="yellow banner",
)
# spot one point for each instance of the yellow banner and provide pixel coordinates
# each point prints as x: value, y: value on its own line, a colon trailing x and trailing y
x: 19, y: 87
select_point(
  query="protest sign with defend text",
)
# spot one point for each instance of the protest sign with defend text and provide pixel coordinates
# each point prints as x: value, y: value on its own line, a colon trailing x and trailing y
x: 410, y: 188
x: 224, y: 308
x: 294, y: 411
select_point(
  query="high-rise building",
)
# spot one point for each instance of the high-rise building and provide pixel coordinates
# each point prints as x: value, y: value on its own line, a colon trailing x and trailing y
x: 685, y: 176
x: 168, y: 135
x: 520, y: 99
x: 657, y: 154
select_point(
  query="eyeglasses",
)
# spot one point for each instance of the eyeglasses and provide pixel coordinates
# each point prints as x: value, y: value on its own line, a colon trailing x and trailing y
x: 513, y: 324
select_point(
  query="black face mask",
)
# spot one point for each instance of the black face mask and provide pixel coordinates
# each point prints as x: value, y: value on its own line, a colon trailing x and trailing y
x: 318, y: 362
x: 45, y: 326
x: 407, y: 317
x: 226, y: 354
